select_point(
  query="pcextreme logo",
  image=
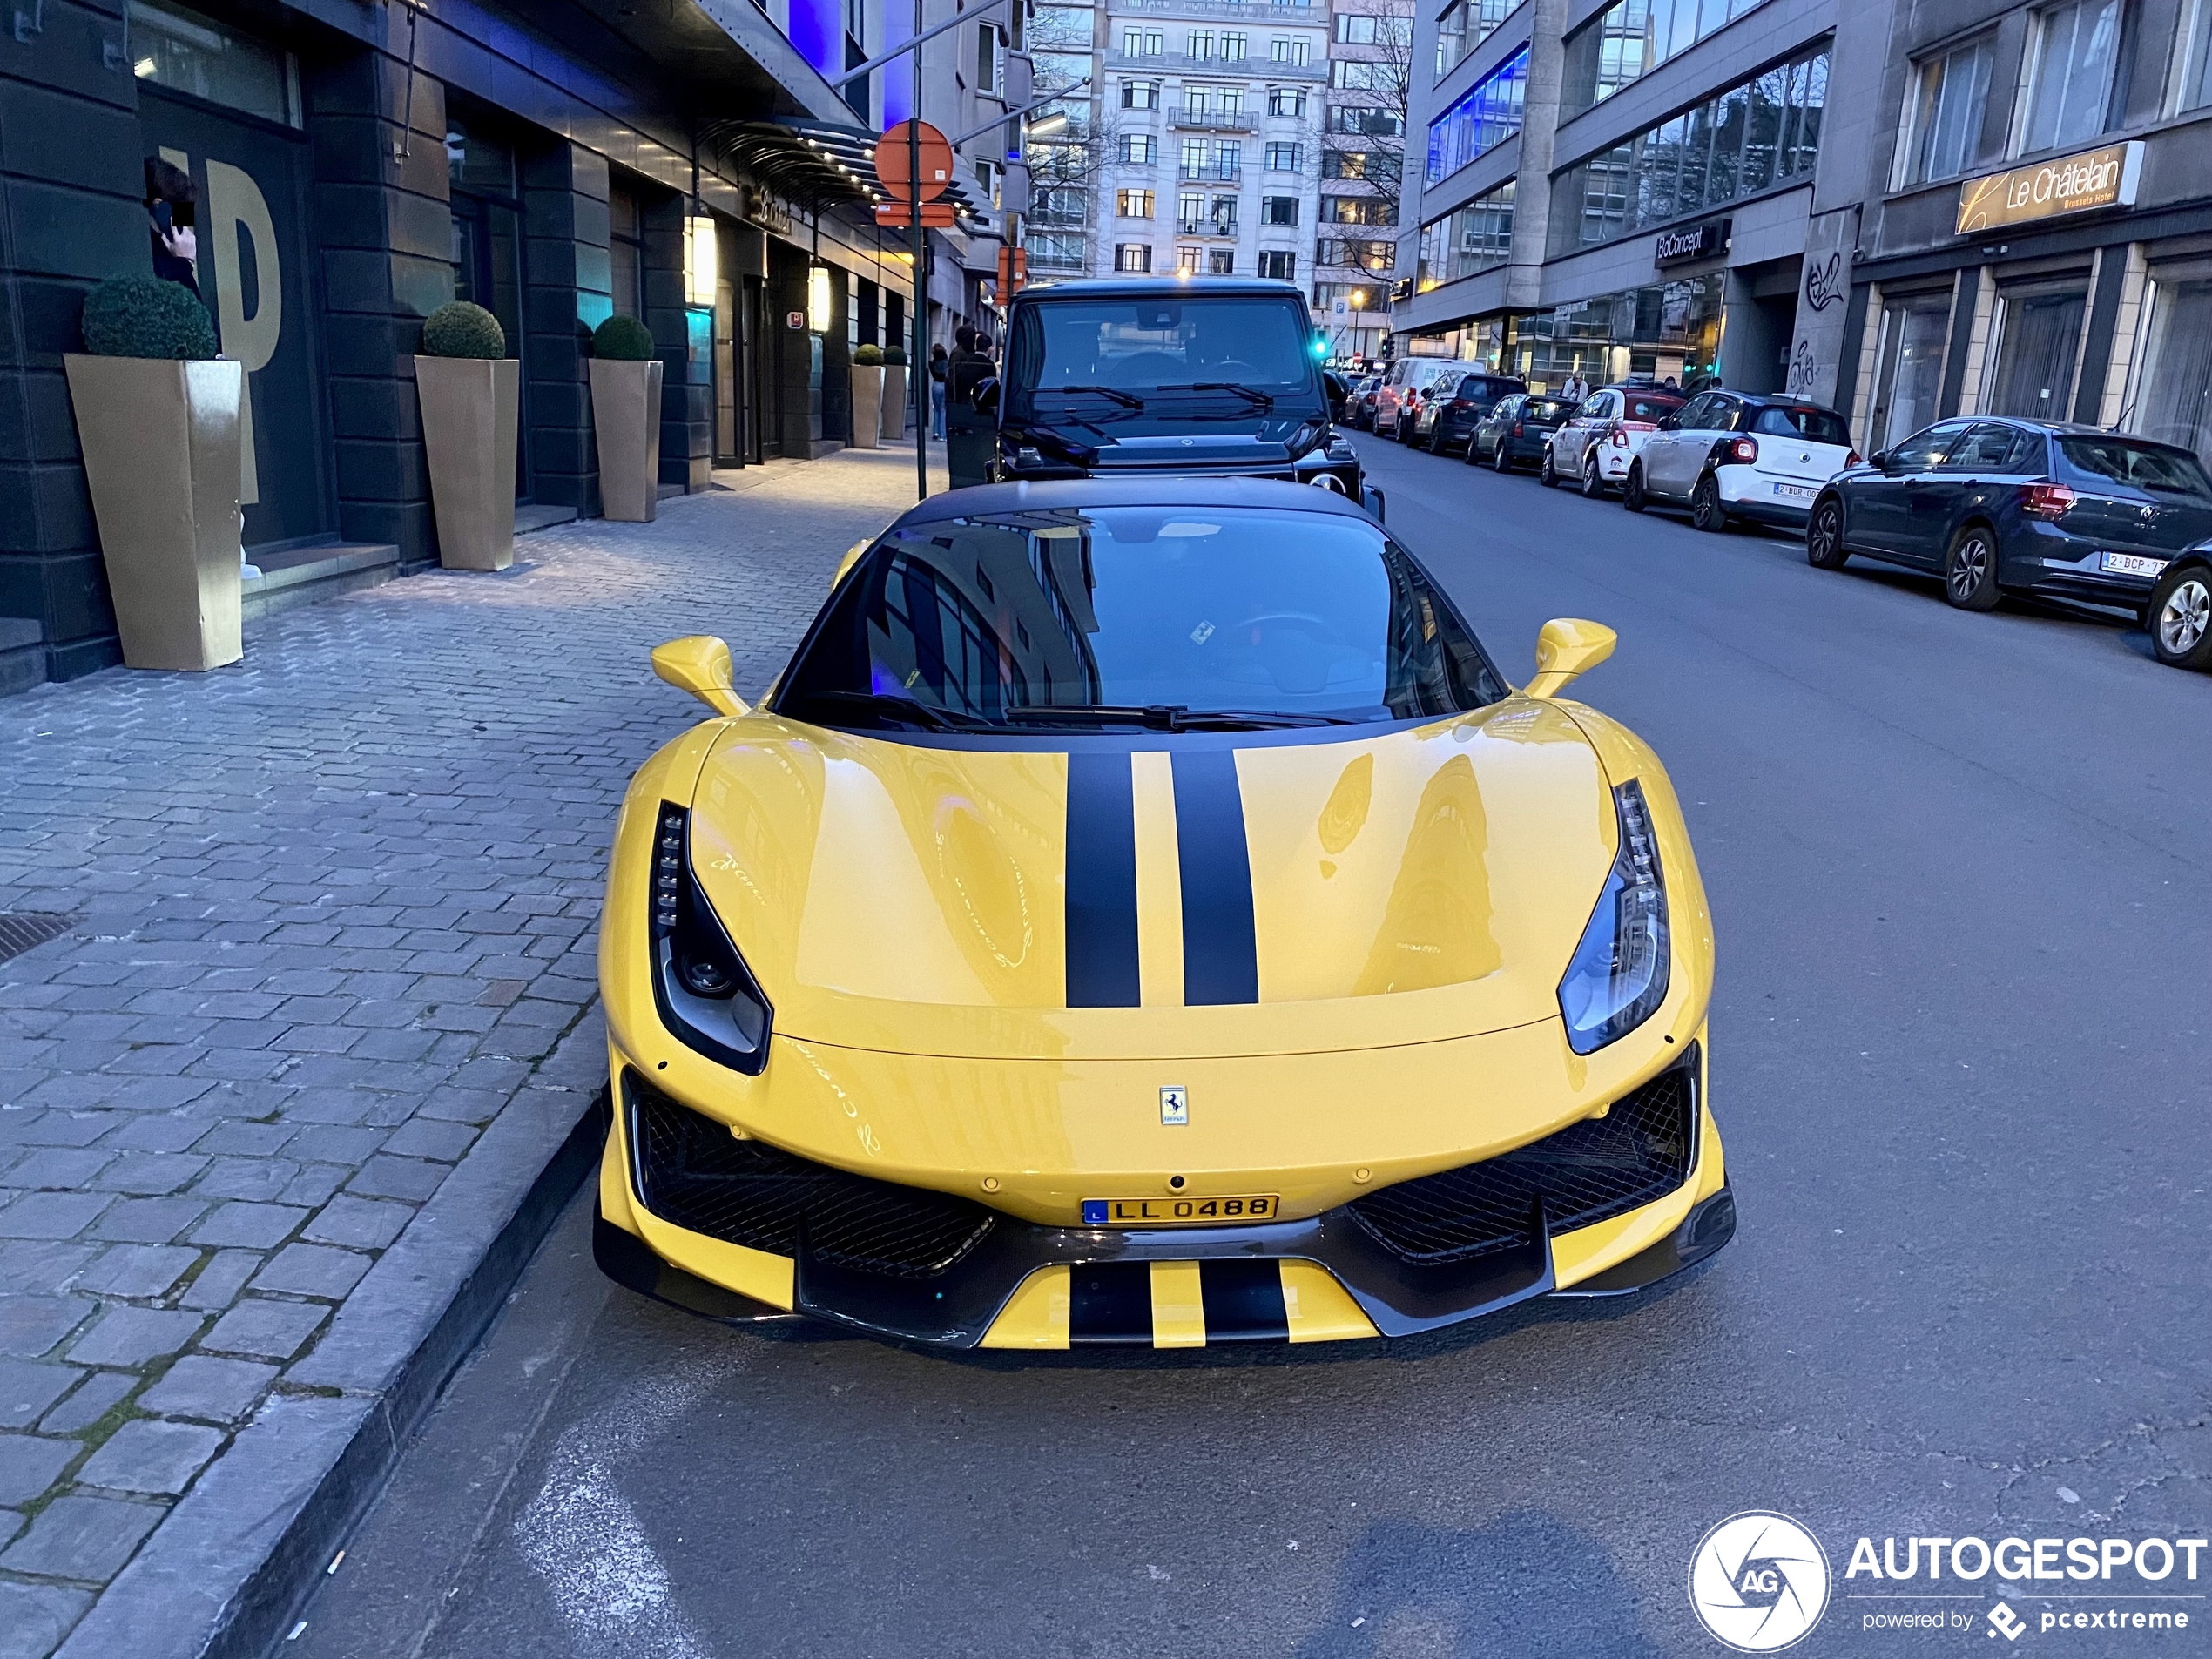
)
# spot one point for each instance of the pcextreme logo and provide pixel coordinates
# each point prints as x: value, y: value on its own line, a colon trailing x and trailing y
x: 1758, y: 1582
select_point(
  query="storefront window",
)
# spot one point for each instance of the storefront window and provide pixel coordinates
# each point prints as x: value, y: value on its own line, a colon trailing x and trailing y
x: 2077, y: 48
x: 1670, y: 330
x: 1911, y: 368
x: 1761, y: 134
x: 186, y: 52
x: 2035, y: 359
x: 2175, y: 404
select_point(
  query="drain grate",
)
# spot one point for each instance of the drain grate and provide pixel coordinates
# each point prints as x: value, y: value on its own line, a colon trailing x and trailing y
x: 23, y: 930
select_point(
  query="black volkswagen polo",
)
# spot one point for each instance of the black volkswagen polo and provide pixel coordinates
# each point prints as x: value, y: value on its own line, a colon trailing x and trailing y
x: 1995, y: 506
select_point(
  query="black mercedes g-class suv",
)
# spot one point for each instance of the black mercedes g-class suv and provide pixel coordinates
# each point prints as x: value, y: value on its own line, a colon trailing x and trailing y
x: 1204, y: 376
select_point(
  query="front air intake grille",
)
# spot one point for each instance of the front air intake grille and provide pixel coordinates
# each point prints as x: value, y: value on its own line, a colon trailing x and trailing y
x: 693, y: 1173
x: 1588, y: 1171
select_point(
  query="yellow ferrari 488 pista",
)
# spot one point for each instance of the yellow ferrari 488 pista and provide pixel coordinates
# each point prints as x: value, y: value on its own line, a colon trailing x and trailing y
x: 1140, y: 912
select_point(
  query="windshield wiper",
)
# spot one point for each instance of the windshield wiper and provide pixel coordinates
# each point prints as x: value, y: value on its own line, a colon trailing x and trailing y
x: 1257, y: 399
x: 897, y: 708
x: 1166, y: 717
x: 1113, y: 392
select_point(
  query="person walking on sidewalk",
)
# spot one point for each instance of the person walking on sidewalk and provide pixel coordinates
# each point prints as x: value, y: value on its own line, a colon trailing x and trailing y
x: 938, y: 369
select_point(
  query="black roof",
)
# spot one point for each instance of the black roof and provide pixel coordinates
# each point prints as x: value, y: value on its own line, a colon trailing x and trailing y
x: 1170, y: 490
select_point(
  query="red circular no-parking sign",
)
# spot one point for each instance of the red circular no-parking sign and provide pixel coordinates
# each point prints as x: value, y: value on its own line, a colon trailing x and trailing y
x: 895, y: 159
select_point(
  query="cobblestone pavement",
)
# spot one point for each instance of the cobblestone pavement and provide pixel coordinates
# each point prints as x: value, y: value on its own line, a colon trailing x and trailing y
x: 331, y: 916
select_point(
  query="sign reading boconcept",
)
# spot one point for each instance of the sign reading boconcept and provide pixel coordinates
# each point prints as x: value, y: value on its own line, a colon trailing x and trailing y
x: 1692, y: 242
x: 2074, y: 183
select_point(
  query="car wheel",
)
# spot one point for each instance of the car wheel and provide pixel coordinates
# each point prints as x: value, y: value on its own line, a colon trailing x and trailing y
x: 2180, y: 619
x: 1705, y: 509
x: 1500, y: 458
x: 1970, y: 570
x: 1593, y: 483
x: 1632, y: 487
x: 1549, y: 472
x: 1824, y: 548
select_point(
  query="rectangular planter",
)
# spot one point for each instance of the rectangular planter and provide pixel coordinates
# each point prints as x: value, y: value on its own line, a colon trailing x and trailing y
x: 161, y: 456
x: 471, y: 407
x: 867, y: 405
x: 898, y: 399
x: 625, y: 418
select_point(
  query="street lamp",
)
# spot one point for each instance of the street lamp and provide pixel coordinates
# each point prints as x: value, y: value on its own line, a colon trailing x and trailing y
x: 1359, y: 336
x: 1046, y: 126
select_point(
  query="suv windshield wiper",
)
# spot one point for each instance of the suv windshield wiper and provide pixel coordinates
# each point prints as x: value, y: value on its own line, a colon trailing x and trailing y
x: 1113, y: 392
x: 897, y: 708
x: 1257, y: 399
x: 1166, y: 717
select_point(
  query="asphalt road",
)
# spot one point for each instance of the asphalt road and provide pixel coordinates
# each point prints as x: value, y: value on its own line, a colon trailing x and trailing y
x: 1961, y: 1058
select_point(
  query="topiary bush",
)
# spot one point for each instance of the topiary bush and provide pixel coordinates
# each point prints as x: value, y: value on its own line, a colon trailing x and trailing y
x: 459, y: 329
x: 623, y: 340
x: 894, y: 357
x: 868, y: 357
x: 145, y: 316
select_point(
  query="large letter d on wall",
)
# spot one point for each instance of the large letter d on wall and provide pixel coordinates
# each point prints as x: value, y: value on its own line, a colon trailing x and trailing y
x: 235, y: 204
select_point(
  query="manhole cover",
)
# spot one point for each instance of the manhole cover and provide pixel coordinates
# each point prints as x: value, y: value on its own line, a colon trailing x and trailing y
x: 21, y: 929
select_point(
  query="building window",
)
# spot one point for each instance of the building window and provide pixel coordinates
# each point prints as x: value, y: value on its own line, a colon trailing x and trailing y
x: 1140, y: 95
x: 1359, y: 74
x: 1201, y: 44
x: 1286, y: 100
x: 1361, y: 256
x: 1283, y: 266
x: 1057, y: 207
x: 1464, y: 25
x: 1232, y: 48
x: 1278, y: 50
x: 1953, y: 95
x: 1735, y: 144
x: 1188, y: 262
x: 1134, y: 257
x: 1133, y: 203
x: 1189, y: 213
x: 2197, y: 68
x: 1633, y: 37
x: 1194, y: 158
x: 1139, y: 149
x: 1221, y: 262
x: 1054, y: 251
x: 1355, y: 29
x: 1485, y: 115
x: 1365, y: 123
x: 1194, y: 102
x: 1142, y: 42
x: 2040, y: 339
x: 1909, y: 375
x: 1472, y: 239
x: 1344, y: 163
x: 1286, y: 158
x: 987, y: 57
x: 1279, y: 210
x: 2076, y: 51
x: 1224, y: 216
x: 1358, y: 210
x: 626, y: 251
x: 186, y: 52
x: 2175, y: 404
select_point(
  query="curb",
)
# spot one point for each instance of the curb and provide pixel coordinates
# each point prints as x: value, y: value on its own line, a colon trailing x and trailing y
x: 226, y: 1570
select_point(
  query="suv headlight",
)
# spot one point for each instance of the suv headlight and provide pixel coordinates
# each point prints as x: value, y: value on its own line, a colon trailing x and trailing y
x: 1618, y: 977
x: 707, y: 997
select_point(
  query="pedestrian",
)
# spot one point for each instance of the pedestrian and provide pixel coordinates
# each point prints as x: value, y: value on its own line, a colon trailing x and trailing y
x: 1576, y: 388
x: 938, y: 369
x: 172, y: 207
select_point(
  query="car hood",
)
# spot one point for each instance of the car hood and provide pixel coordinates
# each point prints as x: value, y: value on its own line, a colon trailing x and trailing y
x: 1199, y: 894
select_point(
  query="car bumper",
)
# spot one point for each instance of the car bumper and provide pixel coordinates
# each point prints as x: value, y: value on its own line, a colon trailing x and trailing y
x: 1601, y: 1208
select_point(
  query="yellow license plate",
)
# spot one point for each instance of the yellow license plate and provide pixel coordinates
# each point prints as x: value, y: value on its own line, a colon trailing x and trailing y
x: 1179, y: 1212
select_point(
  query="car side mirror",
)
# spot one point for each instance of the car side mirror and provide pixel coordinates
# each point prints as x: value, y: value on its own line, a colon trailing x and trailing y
x: 1568, y: 647
x: 852, y: 557
x: 1339, y: 388
x: 1669, y: 424
x: 985, y: 397
x: 1879, y: 461
x: 699, y: 663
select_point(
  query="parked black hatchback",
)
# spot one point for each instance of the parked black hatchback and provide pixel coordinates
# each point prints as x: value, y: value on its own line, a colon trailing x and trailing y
x: 1514, y: 433
x: 2030, y: 506
x: 1447, y: 426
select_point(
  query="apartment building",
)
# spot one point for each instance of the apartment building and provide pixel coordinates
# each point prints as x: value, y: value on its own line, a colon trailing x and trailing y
x: 1638, y: 186
x: 1363, y: 172
x: 1197, y: 151
x: 2037, y: 234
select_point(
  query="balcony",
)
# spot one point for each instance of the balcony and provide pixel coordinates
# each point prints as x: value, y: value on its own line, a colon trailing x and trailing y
x: 1216, y: 68
x: 1247, y: 11
x: 1206, y: 227
x: 1222, y: 172
x: 1058, y: 260
x: 1192, y: 120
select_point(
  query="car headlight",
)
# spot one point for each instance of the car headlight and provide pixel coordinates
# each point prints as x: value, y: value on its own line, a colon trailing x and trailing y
x: 1618, y: 977
x: 707, y: 997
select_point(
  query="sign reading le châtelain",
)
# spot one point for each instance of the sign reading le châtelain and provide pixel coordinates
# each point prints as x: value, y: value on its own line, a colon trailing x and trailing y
x: 2073, y: 184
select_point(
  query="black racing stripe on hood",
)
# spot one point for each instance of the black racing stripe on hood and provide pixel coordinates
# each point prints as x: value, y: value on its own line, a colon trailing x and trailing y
x: 1109, y: 1302
x: 1101, y: 883
x: 1220, y: 955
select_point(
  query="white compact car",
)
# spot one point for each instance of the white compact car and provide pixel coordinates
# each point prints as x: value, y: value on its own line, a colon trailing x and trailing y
x: 1595, y: 448
x: 1739, y: 455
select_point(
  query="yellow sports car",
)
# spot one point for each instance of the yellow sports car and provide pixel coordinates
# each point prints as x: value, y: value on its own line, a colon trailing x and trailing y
x: 1140, y: 912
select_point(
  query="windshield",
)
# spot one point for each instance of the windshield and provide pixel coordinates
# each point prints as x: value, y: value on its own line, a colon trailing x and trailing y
x: 1817, y: 426
x: 1138, y: 365
x: 2148, y: 467
x: 1165, y: 618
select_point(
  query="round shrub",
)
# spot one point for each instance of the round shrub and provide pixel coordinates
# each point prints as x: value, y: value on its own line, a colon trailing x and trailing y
x: 144, y: 316
x: 893, y: 356
x: 867, y: 356
x: 623, y: 340
x: 459, y: 329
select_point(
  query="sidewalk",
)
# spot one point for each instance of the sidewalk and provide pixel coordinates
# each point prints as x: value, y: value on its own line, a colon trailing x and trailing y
x: 320, y: 1009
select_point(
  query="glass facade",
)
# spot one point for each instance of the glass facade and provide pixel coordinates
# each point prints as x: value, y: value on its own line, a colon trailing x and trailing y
x: 1486, y: 114
x: 1670, y: 331
x: 1633, y: 37
x: 1470, y: 239
x: 1733, y: 144
x: 1464, y: 25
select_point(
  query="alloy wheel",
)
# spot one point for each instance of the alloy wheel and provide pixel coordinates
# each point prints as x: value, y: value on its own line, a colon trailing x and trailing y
x: 1825, y: 537
x: 1593, y: 485
x: 1970, y: 574
x: 2186, y: 616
